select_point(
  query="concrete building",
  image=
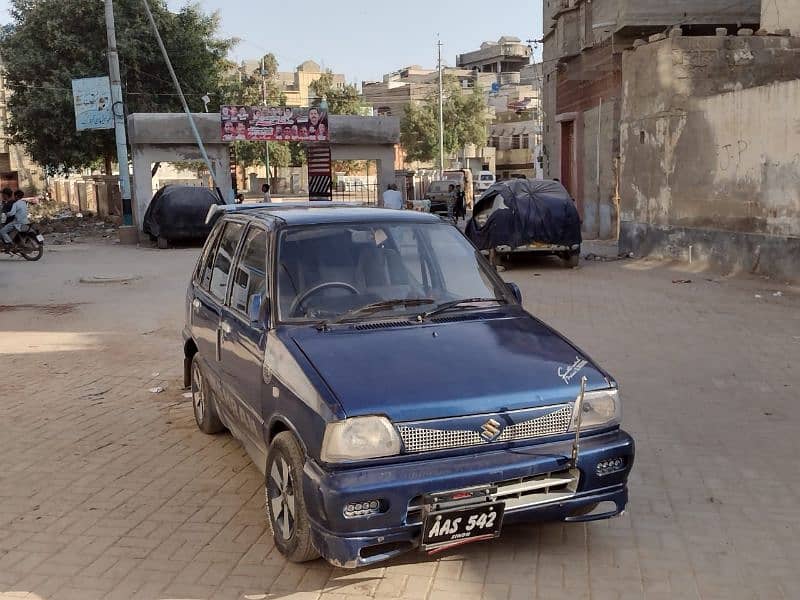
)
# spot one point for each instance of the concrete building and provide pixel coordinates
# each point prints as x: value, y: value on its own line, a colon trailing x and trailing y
x: 296, y: 84
x: 516, y: 133
x: 505, y: 58
x: 17, y: 170
x: 414, y: 84
x: 710, y: 147
x: 582, y: 98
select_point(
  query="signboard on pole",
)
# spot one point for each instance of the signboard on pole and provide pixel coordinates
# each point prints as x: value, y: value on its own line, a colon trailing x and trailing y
x: 93, y: 106
x: 274, y: 124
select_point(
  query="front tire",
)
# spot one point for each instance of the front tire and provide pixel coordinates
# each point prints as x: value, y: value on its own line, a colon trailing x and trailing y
x: 205, y: 413
x: 286, y: 507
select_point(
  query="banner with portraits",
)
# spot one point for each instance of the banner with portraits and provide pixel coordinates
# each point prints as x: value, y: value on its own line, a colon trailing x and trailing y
x: 274, y: 124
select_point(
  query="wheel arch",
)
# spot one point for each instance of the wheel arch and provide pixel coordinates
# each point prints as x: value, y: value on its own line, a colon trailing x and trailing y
x: 189, y: 351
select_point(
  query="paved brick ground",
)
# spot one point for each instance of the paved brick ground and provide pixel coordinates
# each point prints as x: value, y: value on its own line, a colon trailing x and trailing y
x: 109, y: 491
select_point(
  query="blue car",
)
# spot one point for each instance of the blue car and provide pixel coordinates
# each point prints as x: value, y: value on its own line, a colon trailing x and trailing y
x: 390, y: 386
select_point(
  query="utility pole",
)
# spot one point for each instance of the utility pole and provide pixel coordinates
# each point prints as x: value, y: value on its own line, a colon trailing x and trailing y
x: 441, y: 113
x: 119, y: 117
x: 189, y: 116
x: 264, y: 103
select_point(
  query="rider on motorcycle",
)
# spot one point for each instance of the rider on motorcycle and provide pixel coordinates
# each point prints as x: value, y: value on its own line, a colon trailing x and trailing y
x: 16, y: 219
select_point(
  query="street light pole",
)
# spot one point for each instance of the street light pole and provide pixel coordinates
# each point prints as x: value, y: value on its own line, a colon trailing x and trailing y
x: 441, y: 113
x: 264, y: 102
x: 119, y: 117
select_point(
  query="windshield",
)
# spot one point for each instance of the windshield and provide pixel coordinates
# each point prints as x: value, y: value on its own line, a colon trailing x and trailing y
x: 487, y: 177
x: 328, y: 271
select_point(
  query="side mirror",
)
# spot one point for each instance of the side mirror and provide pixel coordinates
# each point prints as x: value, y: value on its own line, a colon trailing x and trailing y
x: 258, y: 309
x: 516, y: 291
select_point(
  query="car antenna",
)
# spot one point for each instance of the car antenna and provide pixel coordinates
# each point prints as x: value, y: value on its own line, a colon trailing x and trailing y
x: 576, y: 445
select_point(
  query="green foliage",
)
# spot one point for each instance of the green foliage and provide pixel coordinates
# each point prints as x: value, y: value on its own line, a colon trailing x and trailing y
x: 465, y: 121
x: 341, y: 100
x: 51, y: 42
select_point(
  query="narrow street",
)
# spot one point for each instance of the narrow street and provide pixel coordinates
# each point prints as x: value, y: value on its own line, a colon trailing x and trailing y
x: 109, y: 490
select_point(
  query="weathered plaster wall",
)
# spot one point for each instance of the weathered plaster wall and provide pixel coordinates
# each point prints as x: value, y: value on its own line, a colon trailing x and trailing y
x: 781, y: 14
x: 710, y: 137
x: 703, y: 12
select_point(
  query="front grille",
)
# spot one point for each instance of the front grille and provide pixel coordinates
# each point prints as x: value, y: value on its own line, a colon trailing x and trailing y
x: 422, y: 439
x: 517, y: 494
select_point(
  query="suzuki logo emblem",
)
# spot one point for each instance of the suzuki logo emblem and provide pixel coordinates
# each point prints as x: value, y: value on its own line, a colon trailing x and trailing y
x: 491, y: 430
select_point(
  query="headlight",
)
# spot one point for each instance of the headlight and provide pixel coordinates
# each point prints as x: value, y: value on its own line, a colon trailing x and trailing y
x: 600, y: 409
x: 359, y: 438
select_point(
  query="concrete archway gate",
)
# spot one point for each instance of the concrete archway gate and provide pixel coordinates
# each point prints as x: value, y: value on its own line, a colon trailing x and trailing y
x: 167, y: 137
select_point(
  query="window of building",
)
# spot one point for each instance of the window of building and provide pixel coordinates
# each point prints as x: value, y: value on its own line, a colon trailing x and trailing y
x: 516, y: 142
x: 526, y: 141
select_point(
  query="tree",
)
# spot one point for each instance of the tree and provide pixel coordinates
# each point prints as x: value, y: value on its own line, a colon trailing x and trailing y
x: 465, y: 121
x: 51, y: 42
x: 341, y: 100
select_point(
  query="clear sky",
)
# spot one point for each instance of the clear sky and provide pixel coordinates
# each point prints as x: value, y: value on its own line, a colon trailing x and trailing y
x: 367, y: 38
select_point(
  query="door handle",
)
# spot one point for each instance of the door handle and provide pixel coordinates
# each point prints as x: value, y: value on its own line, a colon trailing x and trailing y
x: 196, y: 304
x: 226, y: 328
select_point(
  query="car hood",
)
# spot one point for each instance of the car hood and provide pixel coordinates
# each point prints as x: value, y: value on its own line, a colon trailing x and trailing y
x: 446, y: 369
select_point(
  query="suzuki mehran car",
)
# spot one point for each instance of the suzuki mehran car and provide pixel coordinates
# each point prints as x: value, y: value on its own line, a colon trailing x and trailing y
x: 338, y: 345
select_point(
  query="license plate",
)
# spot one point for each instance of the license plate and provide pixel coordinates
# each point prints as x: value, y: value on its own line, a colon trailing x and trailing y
x: 455, y: 526
x: 40, y: 238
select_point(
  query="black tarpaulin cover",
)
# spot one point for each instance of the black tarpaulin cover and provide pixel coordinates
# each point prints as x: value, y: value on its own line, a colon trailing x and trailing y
x: 179, y: 212
x: 525, y: 211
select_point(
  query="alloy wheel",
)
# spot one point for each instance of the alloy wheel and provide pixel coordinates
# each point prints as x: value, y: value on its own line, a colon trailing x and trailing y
x: 198, y: 396
x: 281, y: 498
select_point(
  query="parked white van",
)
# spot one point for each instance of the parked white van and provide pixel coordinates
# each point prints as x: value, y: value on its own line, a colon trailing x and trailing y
x: 486, y: 179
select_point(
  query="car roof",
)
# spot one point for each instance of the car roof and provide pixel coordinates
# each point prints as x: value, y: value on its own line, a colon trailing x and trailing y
x: 321, y: 213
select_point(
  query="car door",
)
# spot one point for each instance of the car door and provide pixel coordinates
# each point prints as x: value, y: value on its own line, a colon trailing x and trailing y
x: 243, y: 337
x: 209, y: 303
x: 203, y: 309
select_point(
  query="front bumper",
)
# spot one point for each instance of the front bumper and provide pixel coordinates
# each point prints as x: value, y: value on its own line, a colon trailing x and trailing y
x: 354, y: 542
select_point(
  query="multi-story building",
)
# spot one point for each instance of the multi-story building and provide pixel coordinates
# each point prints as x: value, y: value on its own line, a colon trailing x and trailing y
x: 505, y: 58
x: 296, y: 85
x: 583, y: 45
x: 516, y: 133
x: 414, y: 84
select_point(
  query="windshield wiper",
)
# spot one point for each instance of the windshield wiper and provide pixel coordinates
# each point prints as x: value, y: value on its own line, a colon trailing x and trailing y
x: 445, y: 306
x: 375, y: 307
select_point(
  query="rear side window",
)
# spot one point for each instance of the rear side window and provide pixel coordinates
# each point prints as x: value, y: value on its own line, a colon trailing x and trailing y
x: 250, y: 278
x: 224, y: 260
x: 206, y: 264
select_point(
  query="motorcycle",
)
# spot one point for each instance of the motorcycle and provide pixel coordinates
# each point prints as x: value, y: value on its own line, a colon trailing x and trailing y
x: 28, y: 243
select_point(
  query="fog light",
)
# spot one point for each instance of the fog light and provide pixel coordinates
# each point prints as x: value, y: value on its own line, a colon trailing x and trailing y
x: 612, y: 465
x: 354, y: 510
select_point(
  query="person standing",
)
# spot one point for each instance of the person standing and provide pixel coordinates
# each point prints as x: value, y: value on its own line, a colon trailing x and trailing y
x: 265, y: 191
x: 461, y: 204
x: 392, y: 198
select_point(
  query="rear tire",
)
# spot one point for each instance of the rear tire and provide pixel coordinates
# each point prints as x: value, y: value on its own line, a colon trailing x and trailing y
x: 286, y: 506
x: 29, y: 247
x: 205, y: 413
x: 572, y: 259
x: 162, y: 242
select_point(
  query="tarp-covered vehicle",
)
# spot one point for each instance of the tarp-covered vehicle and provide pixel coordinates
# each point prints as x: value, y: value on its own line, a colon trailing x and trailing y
x: 525, y: 215
x: 178, y: 213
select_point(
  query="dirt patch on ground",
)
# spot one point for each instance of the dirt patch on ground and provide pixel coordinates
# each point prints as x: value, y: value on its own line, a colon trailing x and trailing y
x: 56, y: 310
